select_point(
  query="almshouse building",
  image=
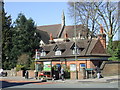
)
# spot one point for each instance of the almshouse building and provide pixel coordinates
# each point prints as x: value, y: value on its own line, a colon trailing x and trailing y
x: 63, y: 49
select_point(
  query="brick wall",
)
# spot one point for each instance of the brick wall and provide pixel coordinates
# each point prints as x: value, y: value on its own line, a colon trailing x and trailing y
x: 111, y: 68
x: 31, y: 73
x: 72, y: 75
x: 81, y: 74
x: 10, y: 73
x: 20, y: 73
x: 89, y: 64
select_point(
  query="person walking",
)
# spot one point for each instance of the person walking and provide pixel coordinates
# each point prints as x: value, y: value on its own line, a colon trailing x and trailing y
x: 62, y: 73
x: 36, y: 74
x: 26, y: 74
x: 98, y: 71
x: 53, y: 74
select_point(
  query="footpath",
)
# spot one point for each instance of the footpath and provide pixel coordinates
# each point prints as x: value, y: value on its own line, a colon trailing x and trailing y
x: 106, y: 79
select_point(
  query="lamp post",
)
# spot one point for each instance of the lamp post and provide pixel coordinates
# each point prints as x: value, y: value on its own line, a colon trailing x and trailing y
x: 75, y: 38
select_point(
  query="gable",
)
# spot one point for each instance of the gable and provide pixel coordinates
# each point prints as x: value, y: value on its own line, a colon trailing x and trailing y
x: 98, y: 48
x: 55, y: 48
x: 60, y: 47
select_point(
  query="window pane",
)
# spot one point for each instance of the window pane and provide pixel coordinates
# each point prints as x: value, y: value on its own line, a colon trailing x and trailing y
x: 82, y: 65
x: 43, y: 53
x: 72, y: 67
x: 58, y: 52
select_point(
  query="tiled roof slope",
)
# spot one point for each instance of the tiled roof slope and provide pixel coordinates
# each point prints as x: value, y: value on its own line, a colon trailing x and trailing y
x: 44, y: 36
x: 89, y: 47
x: 80, y: 29
x: 56, y: 28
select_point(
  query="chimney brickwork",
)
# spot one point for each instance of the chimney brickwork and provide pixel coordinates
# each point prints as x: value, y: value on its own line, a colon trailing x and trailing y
x: 102, y: 37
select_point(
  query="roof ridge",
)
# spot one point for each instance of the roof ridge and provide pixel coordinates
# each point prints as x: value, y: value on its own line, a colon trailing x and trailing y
x: 48, y: 25
x: 76, y: 25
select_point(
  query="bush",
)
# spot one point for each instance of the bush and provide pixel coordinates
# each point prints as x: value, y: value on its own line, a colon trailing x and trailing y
x: 32, y: 66
x: 115, y: 56
x: 19, y: 67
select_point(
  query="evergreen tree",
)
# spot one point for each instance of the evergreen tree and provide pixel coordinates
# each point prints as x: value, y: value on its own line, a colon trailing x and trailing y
x: 6, y: 40
x: 25, y: 38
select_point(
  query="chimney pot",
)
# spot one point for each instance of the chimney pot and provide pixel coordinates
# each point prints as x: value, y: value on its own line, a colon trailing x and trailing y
x: 101, y: 29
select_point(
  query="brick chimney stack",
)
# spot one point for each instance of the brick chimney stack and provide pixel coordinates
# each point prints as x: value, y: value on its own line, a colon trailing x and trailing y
x: 51, y: 39
x: 102, y: 36
x: 66, y: 37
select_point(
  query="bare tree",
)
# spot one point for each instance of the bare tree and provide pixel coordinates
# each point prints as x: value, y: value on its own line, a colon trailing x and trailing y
x: 92, y: 14
x: 86, y: 14
x: 108, y: 12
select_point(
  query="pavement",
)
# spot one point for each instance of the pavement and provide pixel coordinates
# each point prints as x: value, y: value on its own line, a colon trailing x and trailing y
x: 106, y: 79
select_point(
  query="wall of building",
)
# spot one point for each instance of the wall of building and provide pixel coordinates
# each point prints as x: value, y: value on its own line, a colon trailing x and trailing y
x: 80, y: 73
x: 89, y: 64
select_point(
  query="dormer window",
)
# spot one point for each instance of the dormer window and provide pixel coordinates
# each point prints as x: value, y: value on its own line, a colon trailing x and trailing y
x: 43, y: 53
x: 58, y: 52
x: 76, y: 50
x: 59, y: 49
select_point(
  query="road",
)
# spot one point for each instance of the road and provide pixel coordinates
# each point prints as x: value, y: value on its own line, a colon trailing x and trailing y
x: 56, y: 84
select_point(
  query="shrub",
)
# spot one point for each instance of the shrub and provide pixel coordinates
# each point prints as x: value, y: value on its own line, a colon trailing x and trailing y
x: 32, y: 66
x: 19, y: 67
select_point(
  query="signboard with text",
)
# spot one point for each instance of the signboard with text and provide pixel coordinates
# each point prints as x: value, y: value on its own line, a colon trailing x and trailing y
x: 47, y: 66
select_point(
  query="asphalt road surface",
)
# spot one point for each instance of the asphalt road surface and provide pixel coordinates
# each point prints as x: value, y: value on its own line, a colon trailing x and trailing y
x: 54, y: 84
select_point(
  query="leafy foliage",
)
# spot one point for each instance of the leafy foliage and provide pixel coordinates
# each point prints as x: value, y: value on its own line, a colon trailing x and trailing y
x: 32, y: 66
x: 116, y: 51
x: 19, y: 67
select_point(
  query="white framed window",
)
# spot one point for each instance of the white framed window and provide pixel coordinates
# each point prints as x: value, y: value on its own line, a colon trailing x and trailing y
x: 43, y: 53
x: 77, y: 51
x: 72, y: 67
x: 58, y: 52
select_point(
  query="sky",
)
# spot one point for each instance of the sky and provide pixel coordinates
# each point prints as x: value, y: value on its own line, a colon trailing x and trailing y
x: 43, y: 13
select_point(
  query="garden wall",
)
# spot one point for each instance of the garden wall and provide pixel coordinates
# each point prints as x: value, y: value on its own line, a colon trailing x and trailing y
x: 111, y: 68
